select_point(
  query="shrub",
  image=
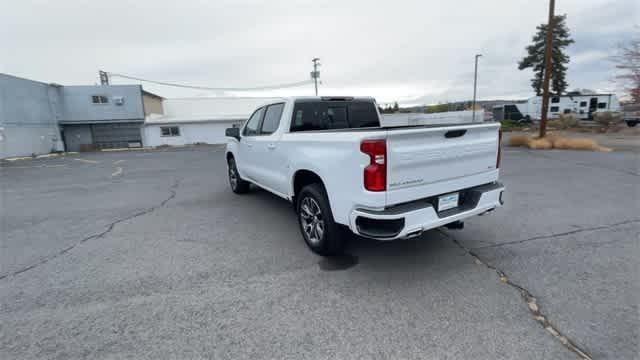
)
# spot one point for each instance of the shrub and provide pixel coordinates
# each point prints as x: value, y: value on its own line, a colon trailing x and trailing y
x: 540, y: 144
x: 553, y: 141
x: 508, y: 125
x: 565, y: 121
x: 607, y: 119
x: 578, y: 144
x: 519, y: 140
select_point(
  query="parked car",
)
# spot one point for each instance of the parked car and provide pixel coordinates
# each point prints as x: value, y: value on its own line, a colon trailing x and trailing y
x: 345, y: 173
x: 631, y: 114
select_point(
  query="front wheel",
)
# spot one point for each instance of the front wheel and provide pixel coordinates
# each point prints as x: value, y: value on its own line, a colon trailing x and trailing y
x: 238, y: 185
x: 320, y: 232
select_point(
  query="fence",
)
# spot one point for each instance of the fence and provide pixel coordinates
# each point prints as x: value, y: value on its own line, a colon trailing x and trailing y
x: 452, y: 117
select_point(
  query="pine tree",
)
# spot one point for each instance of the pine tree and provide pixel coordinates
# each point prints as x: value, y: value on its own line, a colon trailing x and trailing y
x: 535, y: 56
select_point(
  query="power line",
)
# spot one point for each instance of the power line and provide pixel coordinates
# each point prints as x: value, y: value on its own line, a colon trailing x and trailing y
x: 257, y: 88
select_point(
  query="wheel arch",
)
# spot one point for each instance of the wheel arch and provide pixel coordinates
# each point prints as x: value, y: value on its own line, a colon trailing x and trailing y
x: 302, y: 178
x: 229, y: 155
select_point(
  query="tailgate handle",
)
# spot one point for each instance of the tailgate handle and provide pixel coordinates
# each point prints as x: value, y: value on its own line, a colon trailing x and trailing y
x: 455, y: 133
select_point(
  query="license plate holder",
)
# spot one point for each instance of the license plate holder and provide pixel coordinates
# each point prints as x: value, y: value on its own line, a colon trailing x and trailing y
x: 448, y: 201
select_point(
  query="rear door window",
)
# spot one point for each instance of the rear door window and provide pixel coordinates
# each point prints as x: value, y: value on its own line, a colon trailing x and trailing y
x: 363, y: 114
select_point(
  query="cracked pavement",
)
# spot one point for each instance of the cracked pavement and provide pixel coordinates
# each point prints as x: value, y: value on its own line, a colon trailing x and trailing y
x: 163, y: 261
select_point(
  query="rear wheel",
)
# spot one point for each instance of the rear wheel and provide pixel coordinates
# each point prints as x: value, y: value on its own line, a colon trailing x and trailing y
x: 238, y: 185
x: 320, y: 232
x: 632, y: 123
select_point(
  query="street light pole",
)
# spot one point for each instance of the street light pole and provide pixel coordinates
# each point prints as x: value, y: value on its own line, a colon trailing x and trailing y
x: 475, y: 84
x: 104, y: 77
x: 315, y: 74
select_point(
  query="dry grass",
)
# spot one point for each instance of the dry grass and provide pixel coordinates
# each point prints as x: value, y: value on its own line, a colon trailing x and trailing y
x: 578, y: 144
x: 552, y: 141
x: 540, y: 144
x: 519, y: 140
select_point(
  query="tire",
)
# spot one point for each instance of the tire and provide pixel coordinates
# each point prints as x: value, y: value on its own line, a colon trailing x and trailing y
x: 632, y: 123
x: 321, y: 233
x: 238, y: 185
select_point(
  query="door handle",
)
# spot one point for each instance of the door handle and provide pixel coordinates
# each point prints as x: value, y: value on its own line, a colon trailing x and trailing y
x: 455, y: 133
x: 271, y: 146
x: 249, y: 145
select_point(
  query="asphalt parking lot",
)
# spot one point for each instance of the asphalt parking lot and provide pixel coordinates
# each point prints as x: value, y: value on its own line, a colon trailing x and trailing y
x: 148, y: 255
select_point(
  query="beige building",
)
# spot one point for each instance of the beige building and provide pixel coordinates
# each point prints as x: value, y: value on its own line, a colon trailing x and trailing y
x: 152, y: 103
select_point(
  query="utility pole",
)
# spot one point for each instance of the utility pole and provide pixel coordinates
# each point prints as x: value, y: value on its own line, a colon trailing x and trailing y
x: 315, y: 74
x: 475, y: 85
x: 547, y: 70
x: 104, y: 77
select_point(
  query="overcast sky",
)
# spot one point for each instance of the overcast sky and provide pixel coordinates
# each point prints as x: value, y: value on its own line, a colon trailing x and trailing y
x: 411, y: 51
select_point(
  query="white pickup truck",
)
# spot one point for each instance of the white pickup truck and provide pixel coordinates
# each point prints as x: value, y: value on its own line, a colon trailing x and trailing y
x: 342, y: 170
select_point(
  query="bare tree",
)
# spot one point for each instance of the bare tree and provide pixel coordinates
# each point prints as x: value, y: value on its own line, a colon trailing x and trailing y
x: 627, y: 62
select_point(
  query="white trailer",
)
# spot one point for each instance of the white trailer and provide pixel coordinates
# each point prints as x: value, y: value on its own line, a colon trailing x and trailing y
x: 583, y: 106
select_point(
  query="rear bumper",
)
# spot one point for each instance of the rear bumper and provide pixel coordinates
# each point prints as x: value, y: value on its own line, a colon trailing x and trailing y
x: 411, y: 219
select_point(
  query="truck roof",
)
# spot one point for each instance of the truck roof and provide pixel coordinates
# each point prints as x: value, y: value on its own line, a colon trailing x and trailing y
x: 337, y: 98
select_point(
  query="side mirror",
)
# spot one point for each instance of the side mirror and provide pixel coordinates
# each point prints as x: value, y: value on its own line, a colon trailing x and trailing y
x: 233, y: 132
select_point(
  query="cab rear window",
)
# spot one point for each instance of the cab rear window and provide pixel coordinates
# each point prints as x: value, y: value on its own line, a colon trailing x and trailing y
x: 330, y: 115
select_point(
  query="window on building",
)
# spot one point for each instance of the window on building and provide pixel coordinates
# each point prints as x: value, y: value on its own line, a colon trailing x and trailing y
x: 602, y: 105
x: 555, y: 99
x: 583, y: 103
x: 567, y: 111
x: 99, y: 99
x: 554, y: 109
x: 170, y: 131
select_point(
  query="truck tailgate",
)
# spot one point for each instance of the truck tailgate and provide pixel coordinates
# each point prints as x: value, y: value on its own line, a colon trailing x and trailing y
x: 428, y: 161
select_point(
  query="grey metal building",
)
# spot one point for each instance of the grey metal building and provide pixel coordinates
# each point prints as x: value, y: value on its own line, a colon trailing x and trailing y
x: 38, y: 118
x: 102, y: 117
x: 29, y: 113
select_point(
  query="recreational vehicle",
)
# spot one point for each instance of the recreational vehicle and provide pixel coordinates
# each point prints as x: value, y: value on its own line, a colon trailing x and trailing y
x: 583, y: 106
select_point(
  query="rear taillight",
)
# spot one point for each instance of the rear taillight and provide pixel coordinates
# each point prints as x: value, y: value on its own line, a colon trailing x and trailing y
x: 499, y: 148
x: 375, y: 174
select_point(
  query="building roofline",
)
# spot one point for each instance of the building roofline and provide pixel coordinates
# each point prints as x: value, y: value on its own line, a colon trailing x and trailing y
x: 565, y: 95
x: 24, y: 78
x: 145, y: 92
x: 177, y: 121
x: 225, y: 97
x: 93, y: 122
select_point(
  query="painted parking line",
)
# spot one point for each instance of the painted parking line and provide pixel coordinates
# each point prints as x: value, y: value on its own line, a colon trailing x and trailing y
x: 35, y: 166
x: 87, y: 161
x: 118, y: 161
x: 117, y: 172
